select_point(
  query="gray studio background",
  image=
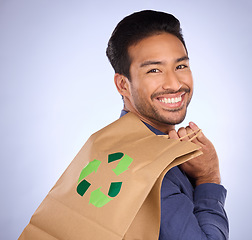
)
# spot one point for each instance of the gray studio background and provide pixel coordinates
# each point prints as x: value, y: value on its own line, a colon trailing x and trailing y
x: 56, y: 88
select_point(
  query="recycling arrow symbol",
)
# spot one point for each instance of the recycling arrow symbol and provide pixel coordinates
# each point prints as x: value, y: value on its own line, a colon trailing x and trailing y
x: 97, y: 197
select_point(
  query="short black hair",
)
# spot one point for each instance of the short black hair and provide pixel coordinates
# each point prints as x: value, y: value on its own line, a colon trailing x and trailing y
x: 133, y: 29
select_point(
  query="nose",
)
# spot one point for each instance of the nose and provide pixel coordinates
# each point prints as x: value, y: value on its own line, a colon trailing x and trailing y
x: 171, y: 82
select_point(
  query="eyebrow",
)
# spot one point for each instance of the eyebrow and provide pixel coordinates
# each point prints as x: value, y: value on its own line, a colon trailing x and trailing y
x: 148, y: 63
x: 182, y: 59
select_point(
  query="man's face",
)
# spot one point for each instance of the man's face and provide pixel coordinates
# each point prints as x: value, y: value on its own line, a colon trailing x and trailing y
x: 161, y: 84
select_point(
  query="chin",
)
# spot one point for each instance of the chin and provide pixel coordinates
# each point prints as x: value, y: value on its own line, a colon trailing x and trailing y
x: 174, y: 118
x: 169, y: 120
x: 174, y: 122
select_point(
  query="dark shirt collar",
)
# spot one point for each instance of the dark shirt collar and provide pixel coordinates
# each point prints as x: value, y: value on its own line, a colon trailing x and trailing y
x: 154, y: 130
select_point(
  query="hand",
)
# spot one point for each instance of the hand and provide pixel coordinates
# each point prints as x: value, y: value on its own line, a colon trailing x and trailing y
x: 204, y: 168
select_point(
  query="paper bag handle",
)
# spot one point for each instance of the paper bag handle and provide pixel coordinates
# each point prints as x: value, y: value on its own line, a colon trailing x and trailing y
x: 197, y: 132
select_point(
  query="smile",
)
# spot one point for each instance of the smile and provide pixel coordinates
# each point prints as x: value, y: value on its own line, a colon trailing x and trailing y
x: 170, y: 100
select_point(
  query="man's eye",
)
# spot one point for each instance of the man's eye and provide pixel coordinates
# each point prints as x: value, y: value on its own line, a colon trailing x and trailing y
x: 182, y: 66
x: 155, y: 70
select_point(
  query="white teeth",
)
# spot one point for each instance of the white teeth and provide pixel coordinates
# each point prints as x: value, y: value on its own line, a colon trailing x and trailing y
x: 171, y: 100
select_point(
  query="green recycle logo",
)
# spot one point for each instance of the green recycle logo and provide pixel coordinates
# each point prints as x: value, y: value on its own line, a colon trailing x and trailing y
x: 97, y: 197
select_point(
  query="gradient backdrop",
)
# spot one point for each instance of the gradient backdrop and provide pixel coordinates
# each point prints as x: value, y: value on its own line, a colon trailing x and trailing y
x: 56, y: 88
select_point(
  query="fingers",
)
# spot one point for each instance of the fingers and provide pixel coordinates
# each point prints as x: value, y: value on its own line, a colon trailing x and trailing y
x: 189, y: 133
x: 193, y: 126
x: 173, y: 134
x: 200, y: 137
x: 182, y: 133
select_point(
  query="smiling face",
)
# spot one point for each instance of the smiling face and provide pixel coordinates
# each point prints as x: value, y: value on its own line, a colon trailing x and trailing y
x: 161, y: 82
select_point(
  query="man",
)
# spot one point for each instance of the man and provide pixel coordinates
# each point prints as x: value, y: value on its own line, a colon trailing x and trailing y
x: 152, y: 73
x: 121, y: 183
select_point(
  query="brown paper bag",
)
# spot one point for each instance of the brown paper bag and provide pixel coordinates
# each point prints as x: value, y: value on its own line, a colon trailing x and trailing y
x: 111, y: 190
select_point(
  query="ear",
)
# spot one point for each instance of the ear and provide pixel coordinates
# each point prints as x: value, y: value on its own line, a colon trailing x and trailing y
x: 122, y: 84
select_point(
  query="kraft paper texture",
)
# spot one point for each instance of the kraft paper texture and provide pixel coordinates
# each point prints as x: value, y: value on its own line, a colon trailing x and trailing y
x: 111, y: 190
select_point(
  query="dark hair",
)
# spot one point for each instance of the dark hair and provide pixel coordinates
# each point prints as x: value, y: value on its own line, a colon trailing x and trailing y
x: 133, y: 29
